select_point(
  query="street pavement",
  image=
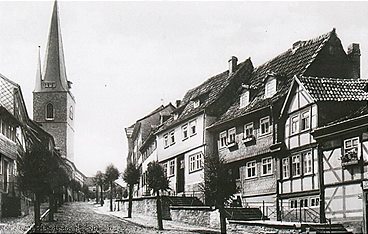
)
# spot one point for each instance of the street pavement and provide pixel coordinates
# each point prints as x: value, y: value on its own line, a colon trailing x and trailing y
x: 81, y: 217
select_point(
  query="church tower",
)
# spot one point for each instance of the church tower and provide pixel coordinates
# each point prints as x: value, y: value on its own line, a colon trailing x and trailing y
x: 53, y: 102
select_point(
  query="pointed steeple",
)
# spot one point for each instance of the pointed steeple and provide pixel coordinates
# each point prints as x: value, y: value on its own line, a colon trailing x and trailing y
x: 54, y: 71
x: 38, y: 74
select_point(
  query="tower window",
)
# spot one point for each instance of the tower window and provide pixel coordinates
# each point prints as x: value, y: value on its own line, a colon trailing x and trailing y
x: 49, y: 111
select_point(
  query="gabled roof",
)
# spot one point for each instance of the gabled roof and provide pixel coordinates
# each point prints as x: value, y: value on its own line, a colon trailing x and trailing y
x: 208, y: 92
x: 335, y: 89
x: 294, y: 61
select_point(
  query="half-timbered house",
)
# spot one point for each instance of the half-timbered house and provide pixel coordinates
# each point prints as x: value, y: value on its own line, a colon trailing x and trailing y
x: 343, y: 153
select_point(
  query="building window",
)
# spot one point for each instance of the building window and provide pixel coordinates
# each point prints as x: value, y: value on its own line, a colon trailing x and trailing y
x: 196, y: 103
x: 195, y: 162
x: 71, y: 112
x: 244, y: 99
x: 193, y: 129
x: 172, y: 137
x: 270, y: 88
x: 165, y: 168
x: 171, y: 167
x: 8, y: 131
x: 351, y: 149
x: 265, y: 125
x: 248, y: 130
x: 166, y: 140
x: 184, y: 130
x: 314, y: 201
x: 49, y: 111
x: 305, y: 121
x: 231, y: 135
x: 223, y: 139
x: 295, y: 165
x: 294, y: 124
x: 267, y: 166
x: 308, y: 162
x: 251, y: 169
x: 285, y: 168
x: 293, y: 204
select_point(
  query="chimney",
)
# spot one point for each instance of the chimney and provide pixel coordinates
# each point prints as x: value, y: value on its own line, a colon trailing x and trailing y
x: 354, y: 58
x: 233, y: 63
x: 178, y: 103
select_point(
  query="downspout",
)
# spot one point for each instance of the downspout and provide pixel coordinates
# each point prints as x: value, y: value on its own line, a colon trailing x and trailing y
x: 278, y: 214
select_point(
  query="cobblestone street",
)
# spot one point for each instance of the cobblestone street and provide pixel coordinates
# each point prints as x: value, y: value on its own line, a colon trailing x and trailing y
x: 80, y: 217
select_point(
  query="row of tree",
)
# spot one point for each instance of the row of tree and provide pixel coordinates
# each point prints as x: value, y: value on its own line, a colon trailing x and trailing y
x: 219, y: 185
x: 42, y: 173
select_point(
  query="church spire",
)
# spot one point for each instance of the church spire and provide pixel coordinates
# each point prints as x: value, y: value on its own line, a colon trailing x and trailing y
x: 54, y: 70
x: 38, y: 73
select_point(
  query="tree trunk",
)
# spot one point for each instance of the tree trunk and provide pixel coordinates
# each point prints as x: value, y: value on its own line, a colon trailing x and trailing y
x: 101, y: 196
x: 96, y: 194
x: 51, y: 206
x: 159, y: 211
x: 110, y: 195
x: 37, y: 212
x: 130, y: 201
x: 222, y: 219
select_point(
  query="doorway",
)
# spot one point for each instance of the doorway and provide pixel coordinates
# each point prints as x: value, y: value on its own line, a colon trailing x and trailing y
x: 180, y: 172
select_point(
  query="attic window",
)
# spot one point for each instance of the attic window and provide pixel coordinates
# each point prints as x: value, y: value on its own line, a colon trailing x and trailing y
x: 196, y: 103
x: 270, y: 87
x: 244, y: 99
x: 176, y: 116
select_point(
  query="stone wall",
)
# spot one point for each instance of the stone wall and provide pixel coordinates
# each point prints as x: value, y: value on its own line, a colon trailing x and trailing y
x: 243, y: 228
x: 145, y: 206
x: 202, y: 216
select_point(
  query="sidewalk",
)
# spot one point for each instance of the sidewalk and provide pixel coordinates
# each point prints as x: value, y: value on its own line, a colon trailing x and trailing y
x: 151, y: 222
x: 17, y: 225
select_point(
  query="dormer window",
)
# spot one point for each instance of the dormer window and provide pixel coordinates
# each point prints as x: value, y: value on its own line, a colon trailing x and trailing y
x: 196, y: 103
x: 244, y: 99
x: 176, y: 116
x: 270, y: 87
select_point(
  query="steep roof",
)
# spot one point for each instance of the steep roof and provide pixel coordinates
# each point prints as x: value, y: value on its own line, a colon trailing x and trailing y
x: 208, y: 92
x: 294, y: 61
x: 335, y: 89
x: 54, y: 69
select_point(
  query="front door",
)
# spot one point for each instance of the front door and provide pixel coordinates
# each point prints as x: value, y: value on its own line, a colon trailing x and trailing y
x: 180, y: 172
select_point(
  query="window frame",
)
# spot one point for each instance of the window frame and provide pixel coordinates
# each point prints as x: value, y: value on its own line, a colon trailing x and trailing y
x: 196, y: 103
x: 246, y: 129
x: 296, y: 124
x: 251, y: 166
x: 172, y: 137
x: 231, y: 132
x: 171, y: 168
x: 307, y: 155
x: 222, y: 139
x: 306, y: 126
x: 296, y: 163
x: 184, y: 131
x: 49, y: 104
x: 244, y: 99
x: 270, y: 87
x: 268, y: 164
x: 262, y: 123
x: 166, y: 140
x: 285, y: 168
x: 192, y: 125
x: 195, y: 162
x: 347, y: 149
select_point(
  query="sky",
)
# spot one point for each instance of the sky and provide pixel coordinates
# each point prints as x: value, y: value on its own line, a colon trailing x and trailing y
x: 127, y: 58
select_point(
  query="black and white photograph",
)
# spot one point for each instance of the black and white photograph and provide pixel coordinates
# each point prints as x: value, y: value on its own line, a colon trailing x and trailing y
x: 180, y: 117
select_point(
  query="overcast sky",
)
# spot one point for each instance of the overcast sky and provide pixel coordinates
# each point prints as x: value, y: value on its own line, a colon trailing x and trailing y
x: 127, y: 58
